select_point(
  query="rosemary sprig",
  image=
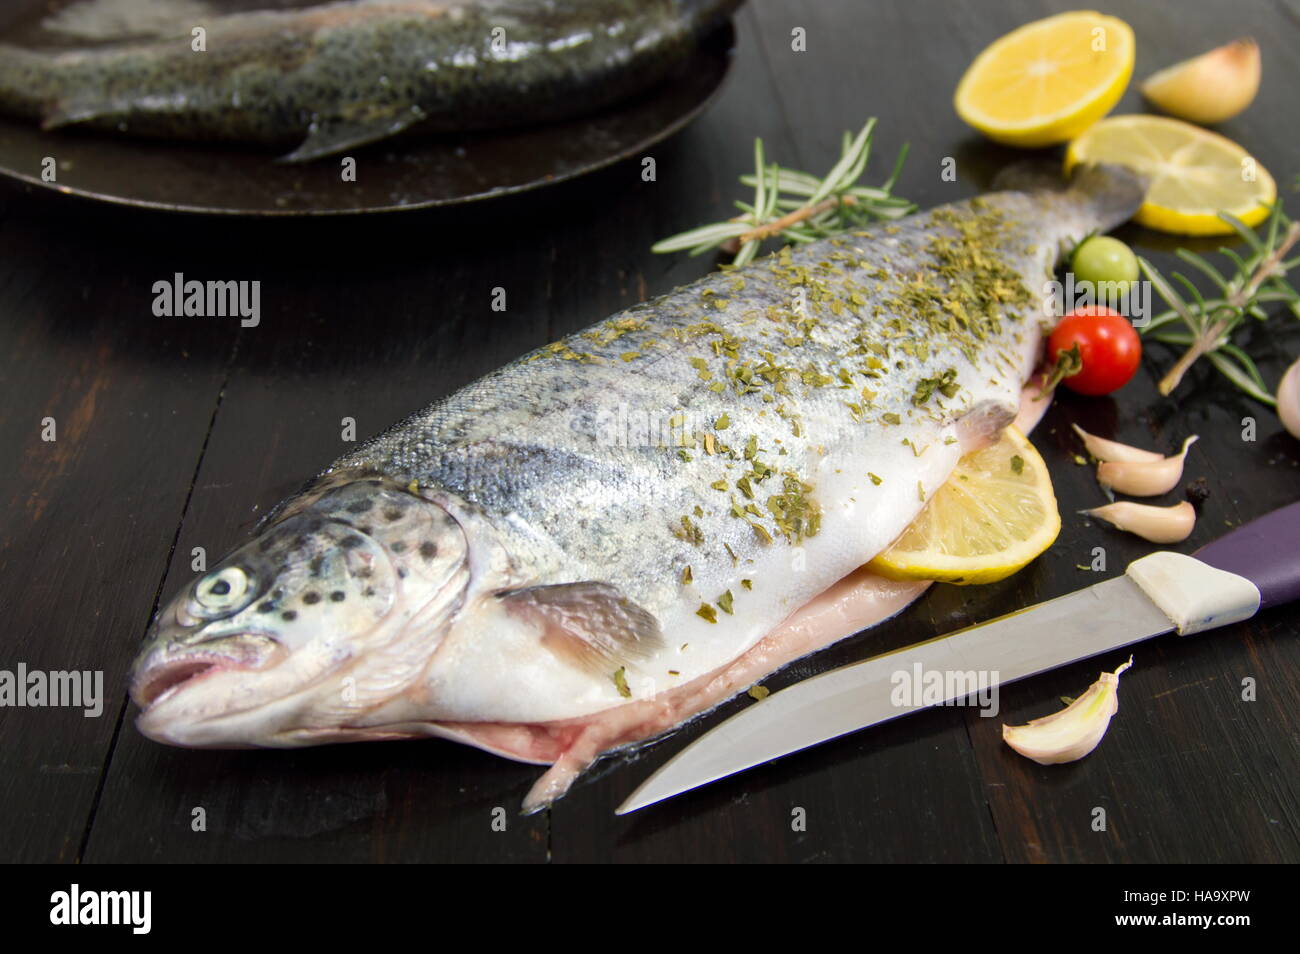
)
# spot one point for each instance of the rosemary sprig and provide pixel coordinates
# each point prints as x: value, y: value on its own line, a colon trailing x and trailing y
x: 1258, y: 279
x: 800, y: 207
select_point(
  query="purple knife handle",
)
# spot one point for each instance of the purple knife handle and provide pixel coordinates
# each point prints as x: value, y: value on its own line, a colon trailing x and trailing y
x: 1265, y: 551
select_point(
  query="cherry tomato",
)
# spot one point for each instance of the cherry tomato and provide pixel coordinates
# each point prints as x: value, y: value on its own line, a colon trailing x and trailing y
x: 1108, y: 346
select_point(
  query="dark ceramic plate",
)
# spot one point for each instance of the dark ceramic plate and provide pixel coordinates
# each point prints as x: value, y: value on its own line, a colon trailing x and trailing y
x: 402, y: 174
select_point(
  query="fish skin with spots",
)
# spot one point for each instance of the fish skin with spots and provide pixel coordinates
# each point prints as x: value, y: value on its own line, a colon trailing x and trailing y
x: 333, y: 76
x: 528, y: 566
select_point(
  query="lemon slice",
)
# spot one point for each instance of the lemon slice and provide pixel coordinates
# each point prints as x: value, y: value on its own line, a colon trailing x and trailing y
x: 995, y: 514
x: 1194, y: 173
x: 1049, y: 80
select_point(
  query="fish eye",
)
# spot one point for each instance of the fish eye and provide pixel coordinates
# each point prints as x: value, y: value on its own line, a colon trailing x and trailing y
x: 222, y: 591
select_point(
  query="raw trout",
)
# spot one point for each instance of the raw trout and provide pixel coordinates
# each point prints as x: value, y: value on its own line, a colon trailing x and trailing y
x: 334, y: 76
x: 619, y: 530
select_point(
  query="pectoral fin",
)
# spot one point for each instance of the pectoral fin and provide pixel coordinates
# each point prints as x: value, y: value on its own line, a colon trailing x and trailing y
x: 358, y: 126
x: 73, y: 110
x: 591, y: 625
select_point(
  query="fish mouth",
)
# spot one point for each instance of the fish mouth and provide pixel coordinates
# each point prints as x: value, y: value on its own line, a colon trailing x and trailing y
x: 166, y: 678
x: 159, y: 675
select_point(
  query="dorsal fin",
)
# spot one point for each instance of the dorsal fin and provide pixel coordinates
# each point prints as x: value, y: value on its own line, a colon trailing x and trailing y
x: 333, y: 134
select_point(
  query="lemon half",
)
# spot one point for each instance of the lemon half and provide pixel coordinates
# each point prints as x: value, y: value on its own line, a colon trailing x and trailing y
x: 1194, y: 173
x: 1049, y: 80
x: 995, y: 513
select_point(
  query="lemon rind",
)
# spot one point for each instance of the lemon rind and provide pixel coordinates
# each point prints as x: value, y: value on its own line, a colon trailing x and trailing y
x: 941, y: 567
x: 1062, y: 124
x: 1177, y: 221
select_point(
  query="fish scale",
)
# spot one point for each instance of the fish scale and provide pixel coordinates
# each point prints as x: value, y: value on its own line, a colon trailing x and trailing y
x: 540, y: 439
x: 641, y: 503
x: 331, y: 76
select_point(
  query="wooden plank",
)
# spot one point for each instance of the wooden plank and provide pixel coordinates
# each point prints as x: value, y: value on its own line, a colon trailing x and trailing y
x: 853, y: 798
x: 366, y: 322
x: 1189, y: 771
x: 90, y: 516
x: 1252, y: 792
x: 371, y: 318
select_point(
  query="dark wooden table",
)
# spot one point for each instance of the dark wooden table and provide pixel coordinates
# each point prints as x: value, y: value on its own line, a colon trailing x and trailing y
x: 177, y: 433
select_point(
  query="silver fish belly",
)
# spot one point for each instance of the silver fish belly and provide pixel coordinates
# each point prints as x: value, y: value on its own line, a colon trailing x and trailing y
x: 626, y: 511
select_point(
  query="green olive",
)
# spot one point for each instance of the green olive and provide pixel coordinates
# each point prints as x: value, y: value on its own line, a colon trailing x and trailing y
x: 1105, y: 259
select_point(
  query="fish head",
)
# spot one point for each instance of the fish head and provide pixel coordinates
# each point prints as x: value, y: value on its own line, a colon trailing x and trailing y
x: 334, y: 607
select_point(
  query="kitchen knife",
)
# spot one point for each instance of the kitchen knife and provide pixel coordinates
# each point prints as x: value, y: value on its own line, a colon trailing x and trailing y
x: 1252, y: 568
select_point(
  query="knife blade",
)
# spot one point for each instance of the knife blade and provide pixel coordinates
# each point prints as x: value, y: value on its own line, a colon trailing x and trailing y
x: 1255, y: 566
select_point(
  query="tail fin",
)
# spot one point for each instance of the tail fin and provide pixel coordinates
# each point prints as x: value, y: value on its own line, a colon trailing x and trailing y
x: 1095, y: 198
x: 1030, y: 175
x: 1113, y: 192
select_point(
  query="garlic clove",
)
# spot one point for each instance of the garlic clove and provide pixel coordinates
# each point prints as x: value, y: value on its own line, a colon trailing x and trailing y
x: 1103, y: 449
x: 1157, y: 524
x: 1072, y: 733
x: 1145, y: 478
x: 1288, y: 399
x: 1209, y: 88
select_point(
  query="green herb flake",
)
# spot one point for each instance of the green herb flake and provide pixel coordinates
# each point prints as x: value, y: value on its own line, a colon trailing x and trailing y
x: 707, y: 612
x: 725, y: 603
x: 944, y: 383
x: 620, y: 680
x: 689, y: 532
x: 1017, y: 464
x: 759, y: 693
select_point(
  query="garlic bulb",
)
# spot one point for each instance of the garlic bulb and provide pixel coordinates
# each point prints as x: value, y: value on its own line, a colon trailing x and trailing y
x: 1288, y: 399
x: 1209, y: 88
x: 1144, y: 478
x: 1103, y: 449
x: 1157, y: 524
x: 1072, y: 733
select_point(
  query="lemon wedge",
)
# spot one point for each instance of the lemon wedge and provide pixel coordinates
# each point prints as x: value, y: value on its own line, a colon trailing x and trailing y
x: 1194, y: 173
x: 1049, y: 80
x: 993, y: 515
